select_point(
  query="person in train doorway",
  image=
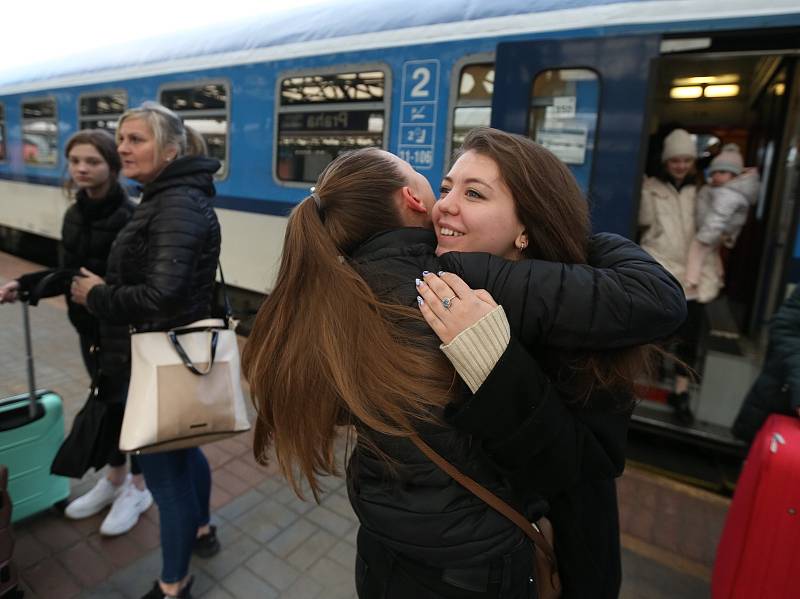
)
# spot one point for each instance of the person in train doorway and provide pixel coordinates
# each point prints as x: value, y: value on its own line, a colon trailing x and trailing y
x: 776, y: 390
x: 161, y: 273
x: 359, y: 256
x: 721, y: 210
x: 667, y: 222
x: 101, y: 208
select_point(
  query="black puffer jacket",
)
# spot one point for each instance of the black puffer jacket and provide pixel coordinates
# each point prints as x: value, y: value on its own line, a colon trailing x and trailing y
x: 777, y: 388
x: 403, y: 513
x: 162, y: 267
x: 87, y: 234
x: 88, y: 231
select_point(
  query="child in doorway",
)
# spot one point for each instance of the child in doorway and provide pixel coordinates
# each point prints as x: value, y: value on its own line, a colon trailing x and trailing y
x: 721, y: 210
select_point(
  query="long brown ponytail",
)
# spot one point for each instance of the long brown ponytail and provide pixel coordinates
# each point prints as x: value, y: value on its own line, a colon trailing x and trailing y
x: 324, y: 350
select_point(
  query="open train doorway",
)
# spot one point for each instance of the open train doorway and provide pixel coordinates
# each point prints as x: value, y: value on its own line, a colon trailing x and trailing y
x: 748, y: 99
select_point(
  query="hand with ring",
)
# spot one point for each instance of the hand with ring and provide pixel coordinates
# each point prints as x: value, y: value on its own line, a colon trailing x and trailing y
x: 449, y: 305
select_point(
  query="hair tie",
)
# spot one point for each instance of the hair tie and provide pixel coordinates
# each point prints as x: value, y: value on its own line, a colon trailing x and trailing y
x: 316, y: 197
x: 318, y: 202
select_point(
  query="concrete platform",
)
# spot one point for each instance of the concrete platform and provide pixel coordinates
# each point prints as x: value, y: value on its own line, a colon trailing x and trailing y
x: 274, y: 545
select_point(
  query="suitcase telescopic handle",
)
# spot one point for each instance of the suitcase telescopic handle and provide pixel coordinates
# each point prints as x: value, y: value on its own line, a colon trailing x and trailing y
x: 26, y: 325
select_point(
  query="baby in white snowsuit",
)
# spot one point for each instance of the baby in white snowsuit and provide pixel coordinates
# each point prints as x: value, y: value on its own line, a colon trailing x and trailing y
x: 721, y: 210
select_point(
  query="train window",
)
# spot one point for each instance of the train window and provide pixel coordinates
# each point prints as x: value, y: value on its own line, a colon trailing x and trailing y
x: 39, y: 132
x: 563, y: 116
x: 321, y: 116
x: 204, y: 107
x: 473, y: 107
x: 2, y: 133
x: 101, y: 111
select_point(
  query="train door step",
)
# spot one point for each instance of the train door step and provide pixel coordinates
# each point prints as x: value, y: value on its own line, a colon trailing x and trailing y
x: 659, y: 421
x: 724, y: 333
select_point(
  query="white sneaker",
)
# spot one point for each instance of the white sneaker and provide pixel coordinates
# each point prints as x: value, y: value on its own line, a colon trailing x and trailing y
x: 124, y: 513
x: 101, y: 495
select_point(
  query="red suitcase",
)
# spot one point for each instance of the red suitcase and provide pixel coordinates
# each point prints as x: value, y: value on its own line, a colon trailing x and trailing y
x: 759, y: 552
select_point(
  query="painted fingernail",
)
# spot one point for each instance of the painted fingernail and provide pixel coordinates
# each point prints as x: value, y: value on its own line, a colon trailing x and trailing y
x: 440, y: 273
x: 420, y: 301
x: 425, y: 272
x: 418, y: 282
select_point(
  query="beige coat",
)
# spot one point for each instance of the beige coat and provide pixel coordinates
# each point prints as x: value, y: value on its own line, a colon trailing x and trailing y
x: 668, y: 219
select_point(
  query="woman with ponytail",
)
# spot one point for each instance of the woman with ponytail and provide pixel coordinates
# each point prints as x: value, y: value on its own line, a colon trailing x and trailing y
x: 340, y: 345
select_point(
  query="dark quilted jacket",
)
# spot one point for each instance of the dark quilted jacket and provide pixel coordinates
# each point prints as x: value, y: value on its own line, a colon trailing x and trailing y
x: 162, y: 266
x: 777, y: 388
x: 87, y: 234
x: 425, y: 514
x: 88, y: 231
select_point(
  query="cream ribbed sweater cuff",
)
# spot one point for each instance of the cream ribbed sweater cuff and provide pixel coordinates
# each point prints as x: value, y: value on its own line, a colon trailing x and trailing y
x: 475, y: 351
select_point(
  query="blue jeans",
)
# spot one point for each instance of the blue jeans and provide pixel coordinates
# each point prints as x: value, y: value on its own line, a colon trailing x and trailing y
x: 180, y: 482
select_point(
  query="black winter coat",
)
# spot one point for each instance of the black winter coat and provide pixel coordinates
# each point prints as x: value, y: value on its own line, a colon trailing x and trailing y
x: 162, y: 267
x: 534, y: 430
x: 636, y: 292
x: 87, y: 233
x: 777, y: 388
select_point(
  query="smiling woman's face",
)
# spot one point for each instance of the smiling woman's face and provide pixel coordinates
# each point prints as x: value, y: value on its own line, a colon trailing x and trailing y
x: 476, y: 211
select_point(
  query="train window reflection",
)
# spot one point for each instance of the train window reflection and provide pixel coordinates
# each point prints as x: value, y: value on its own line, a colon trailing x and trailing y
x: 2, y: 133
x: 204, y: 107
x: 102, y: 110
x: 39, y: 132
x: 473, y: 106
x: 321, y: 116
x: 563, y: 117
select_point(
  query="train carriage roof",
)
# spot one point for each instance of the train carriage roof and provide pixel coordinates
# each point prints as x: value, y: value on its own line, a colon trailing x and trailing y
x: 360, y: 24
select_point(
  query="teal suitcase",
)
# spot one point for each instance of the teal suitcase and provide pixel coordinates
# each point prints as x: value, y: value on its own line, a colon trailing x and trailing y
x: 30, y: 434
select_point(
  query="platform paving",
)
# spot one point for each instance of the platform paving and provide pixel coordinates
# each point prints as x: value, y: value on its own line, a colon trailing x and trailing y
x: 275, y: 545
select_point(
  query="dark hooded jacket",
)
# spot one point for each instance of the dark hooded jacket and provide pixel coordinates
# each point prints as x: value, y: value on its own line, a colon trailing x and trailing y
x: 777, y: 388
x: 423, y: 514
x: 87, y: 233
x: 162, y: 266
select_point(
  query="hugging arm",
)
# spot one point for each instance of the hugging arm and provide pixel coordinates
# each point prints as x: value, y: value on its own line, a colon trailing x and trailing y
x: 525, y: 427
x: 623, y: 297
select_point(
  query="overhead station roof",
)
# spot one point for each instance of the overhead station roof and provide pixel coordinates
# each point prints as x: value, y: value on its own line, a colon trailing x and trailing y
x: 308, y: 30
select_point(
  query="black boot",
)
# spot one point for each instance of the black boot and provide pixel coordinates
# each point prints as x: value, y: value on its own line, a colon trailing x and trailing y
x: 157, y: 593
x: 680, y: 403
x: 207, y: 545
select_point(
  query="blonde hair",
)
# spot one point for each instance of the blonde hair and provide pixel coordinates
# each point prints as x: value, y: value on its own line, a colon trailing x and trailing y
x: 168, y: 130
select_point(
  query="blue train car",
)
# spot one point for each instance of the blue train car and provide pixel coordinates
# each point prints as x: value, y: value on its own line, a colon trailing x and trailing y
x: 598, y: 82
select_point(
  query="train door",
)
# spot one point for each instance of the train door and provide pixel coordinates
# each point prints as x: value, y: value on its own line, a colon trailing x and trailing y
x: 596, y: 102
x: 741, y: 98
x: 585, y: 100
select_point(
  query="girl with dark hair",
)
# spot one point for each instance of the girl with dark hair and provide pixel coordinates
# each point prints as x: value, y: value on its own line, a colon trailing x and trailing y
x: 101, y: 208
x: 340, y: 342
x: 161, y: 273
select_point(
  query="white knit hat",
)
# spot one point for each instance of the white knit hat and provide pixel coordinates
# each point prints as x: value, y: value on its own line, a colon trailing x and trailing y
x: 678, y: 143
x: 729, y: 160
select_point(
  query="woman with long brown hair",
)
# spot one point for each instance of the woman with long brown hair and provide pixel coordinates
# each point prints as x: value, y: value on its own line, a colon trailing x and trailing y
x: 508, y: 180
x: 339, y: 342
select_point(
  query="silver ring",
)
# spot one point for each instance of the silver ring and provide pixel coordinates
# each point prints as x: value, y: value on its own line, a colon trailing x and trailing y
x: 447, y: 302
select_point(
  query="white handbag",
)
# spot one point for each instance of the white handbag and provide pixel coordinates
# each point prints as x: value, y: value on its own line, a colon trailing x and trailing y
x: 185, y: 388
